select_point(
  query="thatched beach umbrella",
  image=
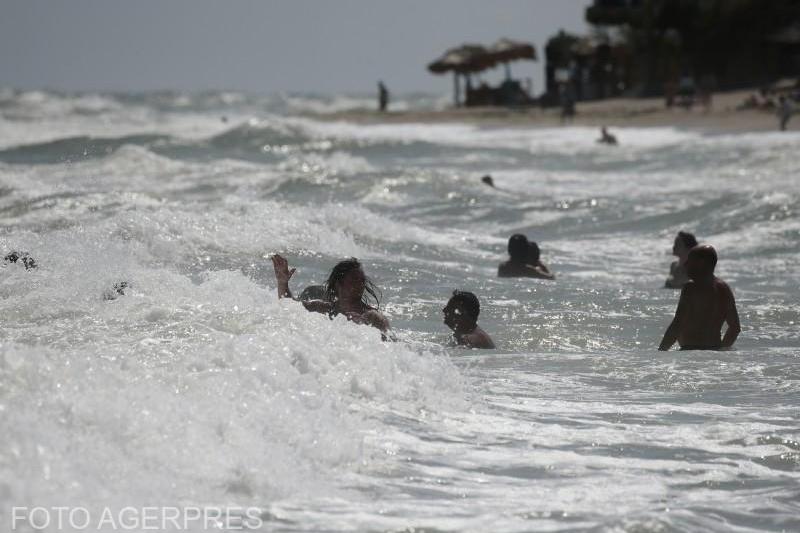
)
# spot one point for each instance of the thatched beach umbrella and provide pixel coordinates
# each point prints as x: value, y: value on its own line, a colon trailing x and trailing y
x: 507, y: 50
x: 465, y: 60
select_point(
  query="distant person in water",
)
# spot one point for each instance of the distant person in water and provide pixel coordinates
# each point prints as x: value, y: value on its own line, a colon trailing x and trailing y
x: 383, y: 96
x: 347, y: 292
x: 524, y: 260
x: 487, y: 179
x: 706, y: 303
x: 461, y: 315
x: 677, y: 270
x: 22, y: 258
x: 606, y: 137
x: 784, y: 112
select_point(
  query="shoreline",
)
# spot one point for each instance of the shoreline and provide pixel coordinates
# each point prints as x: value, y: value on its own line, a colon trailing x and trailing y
x: 722, y: 117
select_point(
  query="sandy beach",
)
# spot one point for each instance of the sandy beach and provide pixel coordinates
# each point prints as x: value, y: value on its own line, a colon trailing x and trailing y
x: 620, y: 112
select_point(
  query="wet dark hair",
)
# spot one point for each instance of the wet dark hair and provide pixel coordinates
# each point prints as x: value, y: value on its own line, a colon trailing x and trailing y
x: 533, y: 252
x: 518, y: 247
x: 342, y: 268
x: 687, y: 239
x: 469, y: 301
x: 706, y: 253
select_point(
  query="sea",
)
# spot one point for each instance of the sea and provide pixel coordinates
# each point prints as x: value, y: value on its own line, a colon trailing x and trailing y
x: 190, y: 387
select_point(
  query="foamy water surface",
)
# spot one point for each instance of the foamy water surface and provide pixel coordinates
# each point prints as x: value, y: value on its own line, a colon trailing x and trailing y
x: 198, y: 387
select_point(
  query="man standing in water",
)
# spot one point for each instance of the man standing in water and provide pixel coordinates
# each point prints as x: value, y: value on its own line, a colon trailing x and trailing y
x: 706, y: 303
x: 461, y: 315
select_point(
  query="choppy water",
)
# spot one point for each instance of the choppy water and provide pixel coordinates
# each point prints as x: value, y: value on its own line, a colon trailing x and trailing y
x: 199, y: 388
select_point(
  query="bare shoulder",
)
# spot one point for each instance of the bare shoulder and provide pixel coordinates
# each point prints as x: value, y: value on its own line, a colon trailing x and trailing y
x: 318, y: 306
x: 723, y: 287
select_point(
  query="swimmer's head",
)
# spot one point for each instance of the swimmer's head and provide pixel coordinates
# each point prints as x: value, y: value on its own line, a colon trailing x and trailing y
x: 533, y: 253
x: 487, y: 179
x: 348, y: 283
x: 702, y: 261
x: 518, y: 248
x: 683, y: 243
x: 461, y: 311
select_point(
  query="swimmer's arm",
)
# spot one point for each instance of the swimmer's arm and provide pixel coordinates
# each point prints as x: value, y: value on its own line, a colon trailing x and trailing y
x: 535, y: 271
x: 732, y: 318
x: 543, y: 271
x: 674, y: 328
x: 282, y: 275
x: 375, y: 319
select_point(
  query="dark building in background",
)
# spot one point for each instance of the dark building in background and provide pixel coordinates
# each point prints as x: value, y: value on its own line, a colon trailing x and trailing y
x: 719, y: 44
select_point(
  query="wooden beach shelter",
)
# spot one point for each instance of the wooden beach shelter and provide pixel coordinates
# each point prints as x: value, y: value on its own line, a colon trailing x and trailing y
x: 463, y: 60
x: 507, y: 50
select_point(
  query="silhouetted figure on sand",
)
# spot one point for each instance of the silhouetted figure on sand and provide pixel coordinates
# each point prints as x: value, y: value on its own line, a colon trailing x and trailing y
x: 347, y: 292
x: 784, y: 112
x: 383, y: 96
x: 21, y: 257
x: 487, y: 179
x: 706, y: 303
x: 524, y: 260
x: 461, y: 315
x: 678, y: 276
x: 606, y: 137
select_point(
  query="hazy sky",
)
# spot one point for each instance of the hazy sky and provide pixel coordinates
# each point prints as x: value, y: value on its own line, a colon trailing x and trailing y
x: 261, y: 46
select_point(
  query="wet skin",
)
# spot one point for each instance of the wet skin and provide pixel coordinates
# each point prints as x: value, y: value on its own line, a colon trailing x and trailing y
x: 466, y: 331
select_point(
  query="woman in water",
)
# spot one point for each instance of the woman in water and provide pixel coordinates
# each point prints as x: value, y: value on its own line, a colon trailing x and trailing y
x: 348, y: 291
x: 678, y: 277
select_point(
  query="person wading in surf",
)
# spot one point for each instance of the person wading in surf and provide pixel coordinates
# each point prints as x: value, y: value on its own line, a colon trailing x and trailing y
x: 461, y: 315
x: 347, y: 292
x: 677, y: 270
x: 524, y: 261
x: 706, y: 303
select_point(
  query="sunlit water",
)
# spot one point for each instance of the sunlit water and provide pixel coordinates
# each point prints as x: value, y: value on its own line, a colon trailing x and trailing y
x: 197, y: 387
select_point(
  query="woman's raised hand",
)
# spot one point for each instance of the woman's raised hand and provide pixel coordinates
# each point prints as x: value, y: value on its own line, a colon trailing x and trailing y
x: 282, y: 275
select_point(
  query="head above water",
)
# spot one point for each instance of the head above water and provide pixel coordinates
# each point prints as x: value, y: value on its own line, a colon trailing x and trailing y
x: 348, y: 283
x: 462, y: 311
x: 702, y: 261
x: 533, y: 253
x: 684, y: 242
x: 518, y: 248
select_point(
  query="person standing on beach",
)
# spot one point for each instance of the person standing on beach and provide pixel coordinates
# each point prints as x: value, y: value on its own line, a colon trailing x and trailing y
x: 383, y: 96
x: 677, y: 270
x: 706, y: 303
x: 461, y: 315
x: 784, y: 111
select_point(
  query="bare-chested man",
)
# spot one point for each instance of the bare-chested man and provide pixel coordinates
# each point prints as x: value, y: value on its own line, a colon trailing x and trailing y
x: 461, y: 315
x: 706, y: 303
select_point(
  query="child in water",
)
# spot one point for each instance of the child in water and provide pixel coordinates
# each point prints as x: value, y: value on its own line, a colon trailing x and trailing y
x: 461, y: 315
x: 706, y: 303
